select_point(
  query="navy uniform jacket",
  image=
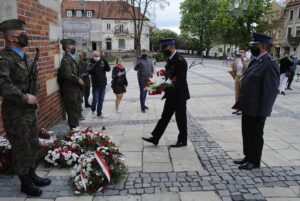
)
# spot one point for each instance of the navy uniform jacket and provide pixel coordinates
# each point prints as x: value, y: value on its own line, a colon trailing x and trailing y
x: 259, y: 87
x: 176, y: 70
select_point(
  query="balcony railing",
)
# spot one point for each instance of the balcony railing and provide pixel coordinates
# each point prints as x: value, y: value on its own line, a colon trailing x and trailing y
x: 294, y: 41
x: 121, y: 31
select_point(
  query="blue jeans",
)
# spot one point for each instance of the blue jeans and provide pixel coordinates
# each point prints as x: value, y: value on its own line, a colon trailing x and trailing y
x: 143, y: 93
x: 98, y: 98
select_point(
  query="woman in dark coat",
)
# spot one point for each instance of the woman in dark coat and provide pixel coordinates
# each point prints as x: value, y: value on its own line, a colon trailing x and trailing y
x: 119, y: 82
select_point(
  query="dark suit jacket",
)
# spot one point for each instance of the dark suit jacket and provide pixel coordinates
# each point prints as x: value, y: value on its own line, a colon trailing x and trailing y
x: 259, y: 87
x: 176, y: 70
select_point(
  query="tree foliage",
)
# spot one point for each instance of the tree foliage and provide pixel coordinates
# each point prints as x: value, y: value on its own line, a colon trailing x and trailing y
x: 236, y: 20
x: 196, y: 21
x: 159, y: 34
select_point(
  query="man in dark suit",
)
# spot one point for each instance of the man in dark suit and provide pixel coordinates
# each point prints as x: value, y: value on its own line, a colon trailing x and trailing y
x: 176, y: 96
x: 259, y: 89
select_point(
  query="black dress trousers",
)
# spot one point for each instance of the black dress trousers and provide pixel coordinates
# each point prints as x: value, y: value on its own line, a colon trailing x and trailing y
x: 253, y: 141
x: 177, y: 106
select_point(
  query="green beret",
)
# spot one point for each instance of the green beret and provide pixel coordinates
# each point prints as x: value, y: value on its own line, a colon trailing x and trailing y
x: 12, y: 24
x: 67, y: 41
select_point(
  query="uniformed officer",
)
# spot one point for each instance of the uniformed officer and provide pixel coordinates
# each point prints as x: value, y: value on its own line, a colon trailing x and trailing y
x: 259, y: 88
x: 176, y: 96
x: 84, y: 75
x: 72, y: 83
x: 19, y: 107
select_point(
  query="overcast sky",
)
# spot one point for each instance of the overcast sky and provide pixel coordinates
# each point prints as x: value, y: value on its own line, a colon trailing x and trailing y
x: 169, y: 17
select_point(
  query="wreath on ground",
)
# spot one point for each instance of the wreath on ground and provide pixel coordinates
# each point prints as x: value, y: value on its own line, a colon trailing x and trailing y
x: 94, y: 158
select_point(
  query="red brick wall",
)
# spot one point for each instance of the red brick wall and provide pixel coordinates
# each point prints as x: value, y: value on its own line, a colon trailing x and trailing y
x: 37, y: 18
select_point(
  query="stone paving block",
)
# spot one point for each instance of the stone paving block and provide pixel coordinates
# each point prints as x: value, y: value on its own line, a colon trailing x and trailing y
x: 283, y: 199
x: 277, y: 192
x: 81, y: 198
x: 11, y: 199
x: 117, y: 198
x: 199, y: 196
x: 157, y: 167
x: 161, y: 197
x: 38, y: 199
x: 185, y: 159
x: 156, y: 157
x: 59, y: 172
x: 133, y: 159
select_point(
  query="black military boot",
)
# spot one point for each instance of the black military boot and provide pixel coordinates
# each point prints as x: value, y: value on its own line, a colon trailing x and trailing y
x: 28, y: 187
x: 39, y: 181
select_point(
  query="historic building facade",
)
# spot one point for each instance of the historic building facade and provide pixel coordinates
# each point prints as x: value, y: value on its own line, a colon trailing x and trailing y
x: 101, y: 25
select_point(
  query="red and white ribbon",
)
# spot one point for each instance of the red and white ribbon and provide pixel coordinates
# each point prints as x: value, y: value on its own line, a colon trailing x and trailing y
x: 103, y: 165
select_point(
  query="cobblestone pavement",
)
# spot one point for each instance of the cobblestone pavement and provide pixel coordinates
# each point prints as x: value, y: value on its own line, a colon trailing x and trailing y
x: 202, y: 171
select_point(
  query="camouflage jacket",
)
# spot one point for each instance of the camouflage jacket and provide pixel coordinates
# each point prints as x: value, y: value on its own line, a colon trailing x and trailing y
x: 83, y: 66
x: 14, y: 79
x: 70, y: 75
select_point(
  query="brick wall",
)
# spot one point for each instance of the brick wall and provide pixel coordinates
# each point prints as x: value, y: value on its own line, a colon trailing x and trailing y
x: 40, y: 18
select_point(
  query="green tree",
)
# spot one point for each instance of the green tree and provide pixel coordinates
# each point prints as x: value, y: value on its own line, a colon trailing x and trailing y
x: 159, y: 34
x: 188, y: 42
x: 196, y: 21
x: 237, y: 19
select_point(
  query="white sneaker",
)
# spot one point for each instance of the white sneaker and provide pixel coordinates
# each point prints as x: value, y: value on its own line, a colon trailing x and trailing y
x: 119, y: 111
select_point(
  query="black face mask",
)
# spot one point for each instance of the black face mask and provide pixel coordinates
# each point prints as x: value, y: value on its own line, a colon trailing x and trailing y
x: 73, y: 50
x: 255, y: 51
x: 144, y: 55
x: 23, y: 40
x: 167, y: 53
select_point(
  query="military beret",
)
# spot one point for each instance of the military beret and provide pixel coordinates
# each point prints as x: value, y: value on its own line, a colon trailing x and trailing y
x: 67, y: 41
x: 260, y: 38
x: 12, y: 24
x: 167, y: 42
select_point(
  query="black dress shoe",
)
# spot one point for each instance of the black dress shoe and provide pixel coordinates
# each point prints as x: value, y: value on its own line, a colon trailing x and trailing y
x: 248, y: 166
x: 143, y: 111
x: 37, y: 180
x: 88, y: 105
x: 240, y: 162
x: 179, y: 144
x: 146, y: 107
x: 289, y: 88
x: 151, y: 140
x: 28, y: 187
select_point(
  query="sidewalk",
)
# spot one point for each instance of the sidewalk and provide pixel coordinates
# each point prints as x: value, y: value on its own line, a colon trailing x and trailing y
x: 202, y: 171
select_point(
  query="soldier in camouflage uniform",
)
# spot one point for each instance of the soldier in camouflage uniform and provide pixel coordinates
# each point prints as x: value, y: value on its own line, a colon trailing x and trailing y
x: 19, y: 106
x: 83, y: 65
x: 72, y: 83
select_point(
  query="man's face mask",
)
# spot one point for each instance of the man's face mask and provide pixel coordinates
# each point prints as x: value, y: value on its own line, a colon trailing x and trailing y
x: 73, y: 50
x: 23, y: 40
x: 255, y: 51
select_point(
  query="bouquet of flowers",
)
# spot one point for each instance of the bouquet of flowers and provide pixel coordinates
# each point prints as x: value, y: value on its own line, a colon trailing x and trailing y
x: 5, y: 155
x: 158, y: 84
x: 95, y: 159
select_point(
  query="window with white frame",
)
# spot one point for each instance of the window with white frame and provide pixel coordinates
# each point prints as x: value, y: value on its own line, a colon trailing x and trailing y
x: 289, y: 32
x: 121, y: 43
x: 89, y: 13
x: 69, y: 13
x: 108, y: 26
x: 78, y: 13
x: 291, y: 14
x: 121, y: 27
x: 298, y: 31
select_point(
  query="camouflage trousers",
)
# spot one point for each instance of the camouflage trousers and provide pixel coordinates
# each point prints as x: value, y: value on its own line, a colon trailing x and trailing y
x: 22, y: 132
x: 72, y: 104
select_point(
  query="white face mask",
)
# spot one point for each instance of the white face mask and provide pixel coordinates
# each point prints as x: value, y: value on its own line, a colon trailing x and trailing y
x: 96, y: 58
